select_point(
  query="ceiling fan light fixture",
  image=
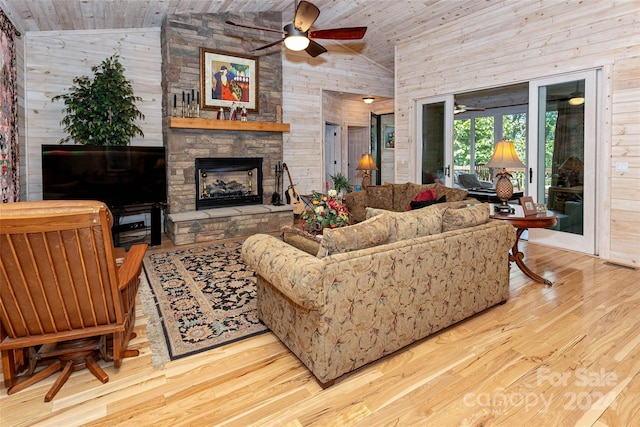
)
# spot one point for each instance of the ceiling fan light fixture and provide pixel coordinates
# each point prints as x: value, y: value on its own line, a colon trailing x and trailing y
x: 295, y: 39
x: 296, y: 43
x: 368, y: 99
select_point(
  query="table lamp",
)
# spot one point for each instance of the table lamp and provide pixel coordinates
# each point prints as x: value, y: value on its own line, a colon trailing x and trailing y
x: 366, y: 165
x: 504, y: 156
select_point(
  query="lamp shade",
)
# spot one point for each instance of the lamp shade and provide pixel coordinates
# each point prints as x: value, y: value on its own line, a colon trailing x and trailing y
x: 367, y: 163
x: 504, y: 156
x: 368, y: 99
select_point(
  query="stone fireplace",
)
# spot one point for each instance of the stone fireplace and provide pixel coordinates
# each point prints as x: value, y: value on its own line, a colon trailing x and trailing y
x: 203, y: 208
x: 228, y: 182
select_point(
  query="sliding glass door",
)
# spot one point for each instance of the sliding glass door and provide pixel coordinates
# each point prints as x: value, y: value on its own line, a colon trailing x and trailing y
x: 562, y: 157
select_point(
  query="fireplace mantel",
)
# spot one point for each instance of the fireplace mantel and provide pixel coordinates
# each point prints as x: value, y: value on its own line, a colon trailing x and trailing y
x: 199, y: 123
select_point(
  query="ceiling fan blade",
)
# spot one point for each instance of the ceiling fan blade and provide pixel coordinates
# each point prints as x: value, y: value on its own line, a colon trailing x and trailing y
x: 306, y: 15
x: 461, y: 108
x: 351, y: 33
x: 314, y: 49
x: 267, y: 45
x: 253, y: 27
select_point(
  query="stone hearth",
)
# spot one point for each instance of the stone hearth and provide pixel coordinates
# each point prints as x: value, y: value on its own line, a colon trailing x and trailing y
x: 225, y: 223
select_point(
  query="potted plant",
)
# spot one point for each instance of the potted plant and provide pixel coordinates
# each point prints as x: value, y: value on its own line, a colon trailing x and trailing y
x: 341, y: 183
x: 101, y: 111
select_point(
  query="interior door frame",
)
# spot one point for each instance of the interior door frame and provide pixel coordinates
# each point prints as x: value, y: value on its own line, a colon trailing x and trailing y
x: 587, y: 242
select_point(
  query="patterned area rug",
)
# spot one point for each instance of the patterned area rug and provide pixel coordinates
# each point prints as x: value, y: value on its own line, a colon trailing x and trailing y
x: 204, y: 297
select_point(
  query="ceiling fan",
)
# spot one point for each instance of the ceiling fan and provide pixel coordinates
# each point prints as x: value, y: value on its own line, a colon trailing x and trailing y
x: 297, y: 35
x: 460, y: 108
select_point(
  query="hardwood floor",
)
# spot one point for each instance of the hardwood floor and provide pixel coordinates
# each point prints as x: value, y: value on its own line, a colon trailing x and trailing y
x: 562, y: 355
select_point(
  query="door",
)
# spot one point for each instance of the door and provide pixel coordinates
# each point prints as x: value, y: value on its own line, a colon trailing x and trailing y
x: 434, y: 148
x: 562, y: 158
x: 332, y: 151
x: 383, y: 147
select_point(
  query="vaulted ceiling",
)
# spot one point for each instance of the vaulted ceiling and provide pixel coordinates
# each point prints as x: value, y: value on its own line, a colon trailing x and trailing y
x: 389, y: 22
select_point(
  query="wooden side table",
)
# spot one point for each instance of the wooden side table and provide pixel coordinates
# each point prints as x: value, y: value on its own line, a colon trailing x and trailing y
x: 521, y: 223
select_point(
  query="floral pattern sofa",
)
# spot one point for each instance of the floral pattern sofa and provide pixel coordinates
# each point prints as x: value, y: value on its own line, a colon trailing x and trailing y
x: 396, y: 197
x: 380, y: 285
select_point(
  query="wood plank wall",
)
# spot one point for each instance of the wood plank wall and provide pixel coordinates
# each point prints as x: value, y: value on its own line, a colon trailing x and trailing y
x: 304, y: 80
x: 511, y: 41
x: 54, y: 58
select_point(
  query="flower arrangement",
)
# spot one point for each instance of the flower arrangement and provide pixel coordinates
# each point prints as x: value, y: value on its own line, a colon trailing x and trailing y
x: 326, y: 211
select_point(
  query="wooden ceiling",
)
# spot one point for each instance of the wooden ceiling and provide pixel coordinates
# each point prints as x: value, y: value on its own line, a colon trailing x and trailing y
x: 388, y: 22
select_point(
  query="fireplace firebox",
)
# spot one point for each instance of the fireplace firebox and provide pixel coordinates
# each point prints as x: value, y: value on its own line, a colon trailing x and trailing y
x: 228, y: 181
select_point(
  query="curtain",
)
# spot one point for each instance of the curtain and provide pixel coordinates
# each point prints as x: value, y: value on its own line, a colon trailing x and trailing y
x: 568, y: 140
x: 9, y: 173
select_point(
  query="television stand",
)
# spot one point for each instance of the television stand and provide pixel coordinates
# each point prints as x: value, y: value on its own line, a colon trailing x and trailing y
x: 155, y: 226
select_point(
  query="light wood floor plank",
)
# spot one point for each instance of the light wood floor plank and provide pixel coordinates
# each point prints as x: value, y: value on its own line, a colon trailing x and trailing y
x: 540, y: 345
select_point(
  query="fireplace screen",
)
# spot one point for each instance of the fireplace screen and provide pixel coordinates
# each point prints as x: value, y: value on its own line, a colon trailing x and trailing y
x: 228, y: 182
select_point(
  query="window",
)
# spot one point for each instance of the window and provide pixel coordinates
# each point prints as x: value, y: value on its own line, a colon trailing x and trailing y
x: 475, y: 133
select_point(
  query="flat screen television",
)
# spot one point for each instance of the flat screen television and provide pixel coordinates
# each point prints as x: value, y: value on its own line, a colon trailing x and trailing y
x: 117, y: 176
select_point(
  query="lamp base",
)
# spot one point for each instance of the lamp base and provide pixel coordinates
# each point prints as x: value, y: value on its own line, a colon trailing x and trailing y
x: 366, y: 179
x: 504, y: 191
x: 503, y: 208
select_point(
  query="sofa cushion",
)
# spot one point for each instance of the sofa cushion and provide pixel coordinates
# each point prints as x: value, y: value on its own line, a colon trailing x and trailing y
x: 300, y: 239
x: 369, y: 233
x: 453, y: 194
x: 411, y: 224
x: 469, y: 180
x: 464, y: 217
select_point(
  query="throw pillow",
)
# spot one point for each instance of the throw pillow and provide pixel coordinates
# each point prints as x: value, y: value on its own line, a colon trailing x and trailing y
x: 369, y: 233
x: 468, y: 216
x: 380, y: 196
x: 419, y: 204
x: 411, y: 224
x: 453, y: 194
x: 428, y: 195
x: 469, y: 180
x: 356, y: 202
x: 300, y: 239
x: 404, y: 193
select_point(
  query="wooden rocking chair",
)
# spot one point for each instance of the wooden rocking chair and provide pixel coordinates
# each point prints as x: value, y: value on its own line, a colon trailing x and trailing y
x: 64, y: 301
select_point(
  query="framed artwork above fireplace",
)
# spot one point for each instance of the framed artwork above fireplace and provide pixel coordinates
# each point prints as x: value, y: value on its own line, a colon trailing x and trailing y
x: 228, y: 78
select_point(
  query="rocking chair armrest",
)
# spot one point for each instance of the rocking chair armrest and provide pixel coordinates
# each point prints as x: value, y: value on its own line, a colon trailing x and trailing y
x: 131, y: 266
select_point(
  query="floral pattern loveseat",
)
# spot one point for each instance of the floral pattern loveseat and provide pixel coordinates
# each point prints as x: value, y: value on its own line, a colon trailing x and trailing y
x: 380, y: 285
x: 397, y: 197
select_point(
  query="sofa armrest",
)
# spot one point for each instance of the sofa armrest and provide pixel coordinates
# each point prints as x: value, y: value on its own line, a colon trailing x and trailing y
x: 295, y: 273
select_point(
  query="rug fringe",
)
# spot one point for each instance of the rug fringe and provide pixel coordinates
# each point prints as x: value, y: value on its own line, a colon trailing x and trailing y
x: 159, y: 351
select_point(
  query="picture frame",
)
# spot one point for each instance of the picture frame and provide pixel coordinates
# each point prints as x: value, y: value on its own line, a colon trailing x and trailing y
x: 228, y: 78
x: 528, y: 206
x: 389, y: 137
